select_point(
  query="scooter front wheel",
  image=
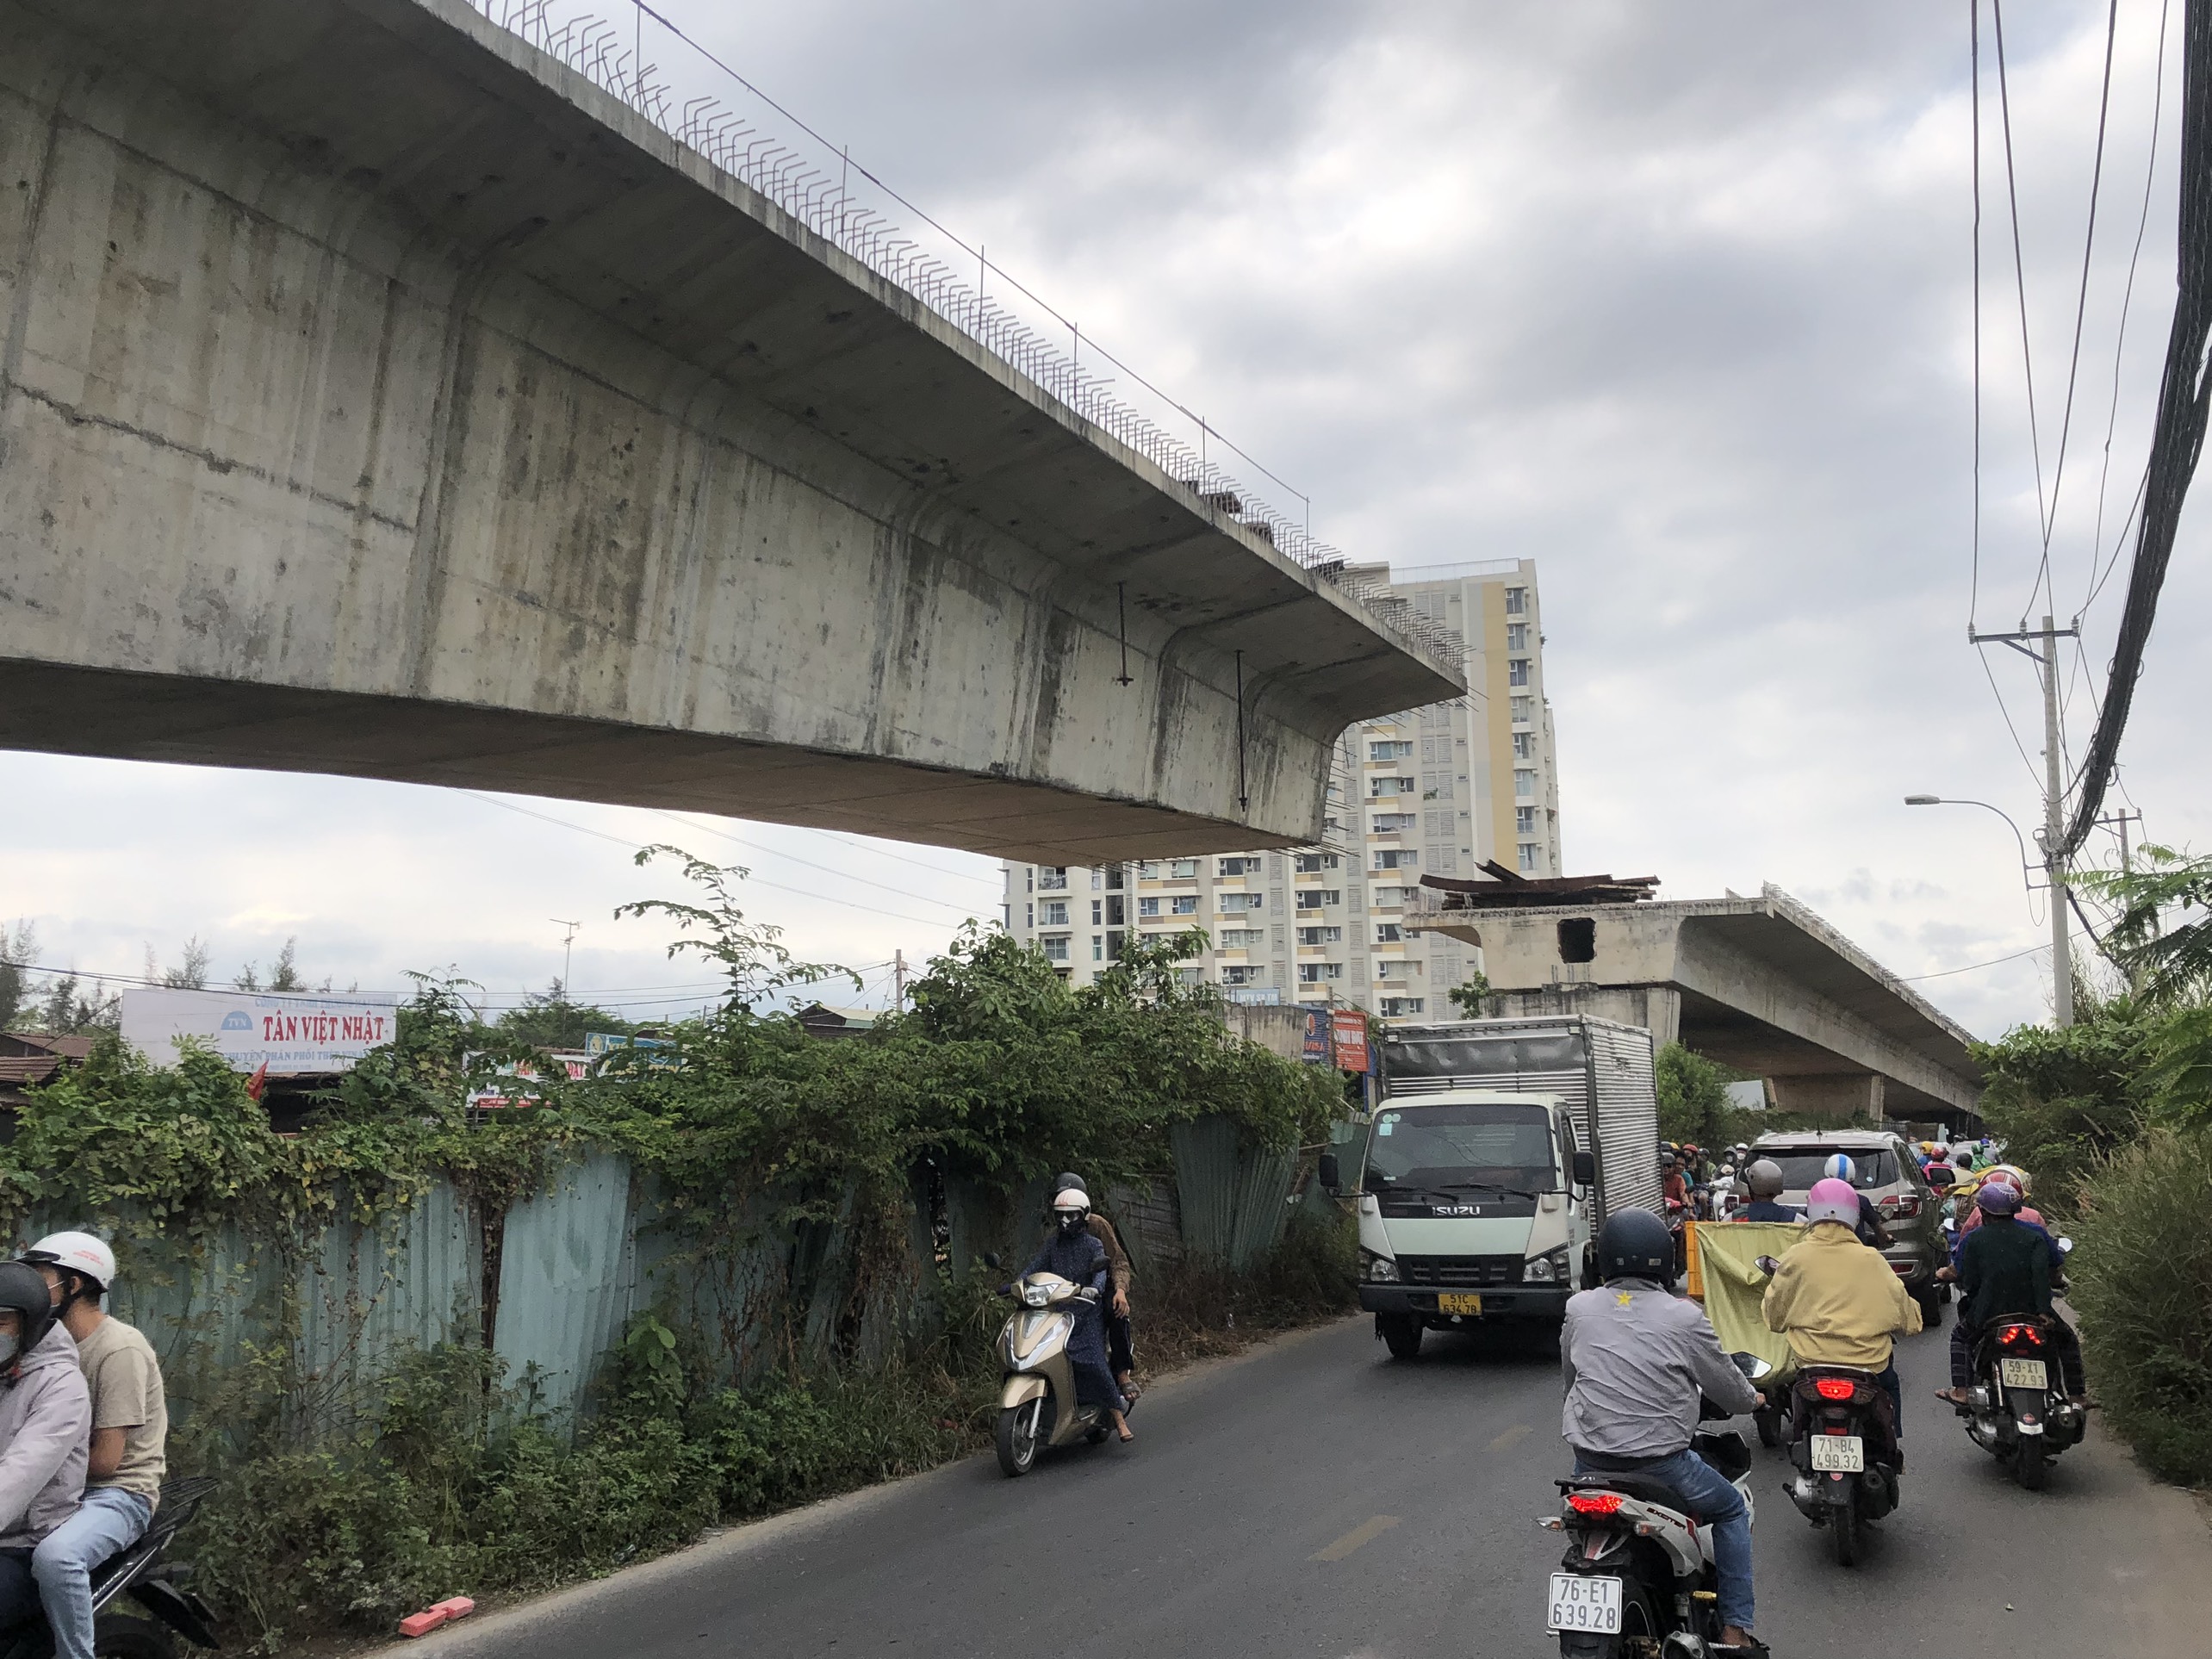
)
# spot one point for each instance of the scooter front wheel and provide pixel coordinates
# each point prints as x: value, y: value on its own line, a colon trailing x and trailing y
x: 1018, y: 1437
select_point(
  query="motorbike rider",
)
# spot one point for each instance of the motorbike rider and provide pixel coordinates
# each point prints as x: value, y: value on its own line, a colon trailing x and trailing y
x: 1870, y: 1229
x: 1839, y: 1303
x: 130, y: 1424
x: 46, y: 1421
x: 1121, y: 1344
x: 1676, y: 1183
x: 1075, y: 1253
x: 1764, y: 1180
x: 1637, y: 1359
x: 2004, y: 1269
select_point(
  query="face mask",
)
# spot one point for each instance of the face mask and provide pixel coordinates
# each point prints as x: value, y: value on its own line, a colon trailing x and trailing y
x: 8, y: 1347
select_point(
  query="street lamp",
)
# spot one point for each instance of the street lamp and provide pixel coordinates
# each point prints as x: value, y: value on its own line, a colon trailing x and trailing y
x: 2061, y: 966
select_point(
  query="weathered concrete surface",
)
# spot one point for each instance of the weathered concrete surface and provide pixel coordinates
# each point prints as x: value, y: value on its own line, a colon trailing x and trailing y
x: 379, y: 396
x: 1761, y: 985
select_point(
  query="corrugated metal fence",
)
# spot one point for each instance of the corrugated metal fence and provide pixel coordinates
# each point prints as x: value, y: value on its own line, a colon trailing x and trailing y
x: 552, y: 1283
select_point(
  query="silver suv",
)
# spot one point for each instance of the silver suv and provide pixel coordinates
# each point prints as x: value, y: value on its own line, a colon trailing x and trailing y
x: 1888, y: 1173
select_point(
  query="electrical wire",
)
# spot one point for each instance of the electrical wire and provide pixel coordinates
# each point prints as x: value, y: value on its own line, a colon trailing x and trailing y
x: 2019, y: 265
x: 1973, y: 57
x: 777, y: 852
x: 1945, y: 973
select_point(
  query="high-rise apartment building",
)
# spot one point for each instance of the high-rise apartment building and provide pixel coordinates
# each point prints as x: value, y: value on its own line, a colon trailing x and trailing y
x: 1439, y: 790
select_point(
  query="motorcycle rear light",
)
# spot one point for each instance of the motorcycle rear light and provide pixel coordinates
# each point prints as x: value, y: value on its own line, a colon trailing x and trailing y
x: 1836, y: 1387
x: 1594, y: 1503
x: 2016, y: 1336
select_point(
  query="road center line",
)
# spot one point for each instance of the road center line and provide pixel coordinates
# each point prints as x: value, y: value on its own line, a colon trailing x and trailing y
x: 1511, y: 1436
x: 1366, y: 1532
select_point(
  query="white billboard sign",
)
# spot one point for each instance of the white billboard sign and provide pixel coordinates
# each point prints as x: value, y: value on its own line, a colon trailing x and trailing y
x: 288, y: 1033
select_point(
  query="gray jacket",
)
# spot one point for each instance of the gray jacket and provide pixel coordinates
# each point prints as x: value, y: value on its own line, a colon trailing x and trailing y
x: 1636, y: 1358
x: 46, y: 1432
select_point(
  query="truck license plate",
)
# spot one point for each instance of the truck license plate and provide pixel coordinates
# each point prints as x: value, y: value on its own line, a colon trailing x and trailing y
x: 1843, y: 1454
x: 1585, y: 1604
x: 1448, y: 1304
x: 2021, y: 1373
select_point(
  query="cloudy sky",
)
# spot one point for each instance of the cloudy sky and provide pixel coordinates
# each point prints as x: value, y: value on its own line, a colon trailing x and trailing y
x: 1673, y: 298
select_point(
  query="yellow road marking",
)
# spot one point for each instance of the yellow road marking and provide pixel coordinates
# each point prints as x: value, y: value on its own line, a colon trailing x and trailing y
x: 1365, y: 1533
x: 1507, y: 1439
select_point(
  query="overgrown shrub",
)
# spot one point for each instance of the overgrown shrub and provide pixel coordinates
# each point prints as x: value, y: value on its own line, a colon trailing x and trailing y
x: 2142, y: 1278
x: 2062, y: 1100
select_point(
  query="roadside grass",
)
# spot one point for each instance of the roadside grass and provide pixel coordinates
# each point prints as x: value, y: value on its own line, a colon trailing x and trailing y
x: 455, y: 1485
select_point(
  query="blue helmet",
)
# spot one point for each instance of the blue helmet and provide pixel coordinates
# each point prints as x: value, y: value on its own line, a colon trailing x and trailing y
x: 1840, y: 1168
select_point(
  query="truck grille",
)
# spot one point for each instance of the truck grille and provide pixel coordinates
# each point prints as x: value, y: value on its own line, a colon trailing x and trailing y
x: 1455, y: 1272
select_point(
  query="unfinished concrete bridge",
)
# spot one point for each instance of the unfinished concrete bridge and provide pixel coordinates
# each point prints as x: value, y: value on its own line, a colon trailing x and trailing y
x: 380, y: 395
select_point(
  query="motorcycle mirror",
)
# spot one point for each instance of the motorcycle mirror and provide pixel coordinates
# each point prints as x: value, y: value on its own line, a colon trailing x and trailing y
x: 1766, y: 1264
x: 1328, y: 1173
x: 1752, y: 1366
x: 2066, y: 1247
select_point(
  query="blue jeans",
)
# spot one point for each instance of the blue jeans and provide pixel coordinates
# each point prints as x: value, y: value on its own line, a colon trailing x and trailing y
x: 1718, y: 1506
x: 109, y: 1520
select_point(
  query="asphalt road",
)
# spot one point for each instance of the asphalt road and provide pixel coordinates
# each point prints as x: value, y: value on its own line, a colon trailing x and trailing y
x: 1318, y: 1499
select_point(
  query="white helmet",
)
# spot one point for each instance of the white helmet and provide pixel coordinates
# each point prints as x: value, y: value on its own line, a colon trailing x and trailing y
x: 1071, y: 1198
x: 77, y: 1252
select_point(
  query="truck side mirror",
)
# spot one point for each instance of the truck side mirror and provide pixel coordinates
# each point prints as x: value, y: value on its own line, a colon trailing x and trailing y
x: 1329, y: 1174
x: 1586, y: 1169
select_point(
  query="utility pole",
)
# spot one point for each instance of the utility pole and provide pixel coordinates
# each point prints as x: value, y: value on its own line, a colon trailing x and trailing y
x: 2054, y: 865
x: 567, y: 954
x: 898, y: 980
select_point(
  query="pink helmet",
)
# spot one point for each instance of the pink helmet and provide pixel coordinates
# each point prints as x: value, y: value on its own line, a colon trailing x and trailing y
x: 1832, y: 1200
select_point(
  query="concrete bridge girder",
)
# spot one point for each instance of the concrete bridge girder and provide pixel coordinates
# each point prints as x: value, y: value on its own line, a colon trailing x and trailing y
x: 378, y: 396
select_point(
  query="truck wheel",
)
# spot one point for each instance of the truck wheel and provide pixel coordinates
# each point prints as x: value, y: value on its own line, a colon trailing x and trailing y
x: 1401, y: 1332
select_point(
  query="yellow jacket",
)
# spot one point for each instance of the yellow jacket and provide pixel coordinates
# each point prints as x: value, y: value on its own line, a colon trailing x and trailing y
x: 1838, y: 1302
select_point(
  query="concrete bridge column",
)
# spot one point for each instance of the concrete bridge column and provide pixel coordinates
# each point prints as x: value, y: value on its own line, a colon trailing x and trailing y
x: 1839, y: 1097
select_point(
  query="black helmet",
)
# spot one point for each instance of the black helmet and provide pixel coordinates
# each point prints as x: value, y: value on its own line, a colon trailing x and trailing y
x: 24, y: 1290
x: 1636, y: 1245
x: 1067, y: 1178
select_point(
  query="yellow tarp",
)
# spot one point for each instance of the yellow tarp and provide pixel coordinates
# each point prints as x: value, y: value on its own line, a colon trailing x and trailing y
x: 1732, y: 1287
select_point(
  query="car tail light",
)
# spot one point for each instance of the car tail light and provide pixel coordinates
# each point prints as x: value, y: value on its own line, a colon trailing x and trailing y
x: 1594, y: 1503
x: 1836, y: 1387
x: 1901, y: 1268
x: 1899, y: 1206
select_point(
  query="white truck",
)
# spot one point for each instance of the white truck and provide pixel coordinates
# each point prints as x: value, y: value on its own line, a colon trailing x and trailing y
x: 1497, y: 1150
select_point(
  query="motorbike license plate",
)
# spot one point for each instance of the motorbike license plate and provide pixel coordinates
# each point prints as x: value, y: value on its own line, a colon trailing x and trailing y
x: 1448, y: 1303
x: 2022, y: 1373
x: 1843, y: 1454
x: 1585, y: 1604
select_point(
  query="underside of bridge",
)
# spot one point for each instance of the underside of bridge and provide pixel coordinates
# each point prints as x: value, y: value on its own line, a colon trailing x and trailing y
x: 378, y: 395
x: 1760, y: 985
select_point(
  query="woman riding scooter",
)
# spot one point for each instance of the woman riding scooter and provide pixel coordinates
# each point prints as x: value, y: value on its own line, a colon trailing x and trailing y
x: 1076, y: 1254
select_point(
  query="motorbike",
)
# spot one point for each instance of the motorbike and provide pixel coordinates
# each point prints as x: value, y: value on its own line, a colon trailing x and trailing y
x: 1638, y: 1578
x: 1846, y: 1460
x: 2016, y: 1407
x: 158, y: 1587
x: 1037, y: 1407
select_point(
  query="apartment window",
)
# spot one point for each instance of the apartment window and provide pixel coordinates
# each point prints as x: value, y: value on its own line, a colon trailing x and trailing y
x: 1396, y: 749
x: 1187, y: 904
x: 1114, y: 874
x: 1053, y: 879
x: 1387, y: 933
x: 1523, y: 820
x: 1517, y: 636
x: 1183, y: 869
x: 1055, y: 912
x: 1314, y: 898
x: 1396, y: 824
x: 1319, y: 935
x: 1029, y: 915
x: 1397, y: 1008
x: 1097, y: 877
x: 1313, y: 863
x: 1396, y: 858
x: 1056, y: 947
x: 1230, y: 903
x: 1149, y: 870
x: 1384, y: 788
x: 1386, y: 897
x: 1524, y: 782
x: 1516, y: 671
x: 1097, y: 948
x: 1235, y: 973
x: 1312, y: 974
x: 1524, y: 746
x: 1237, y: 867
x: 1517, y: 602
x: 1527, y: 856
x: 1242, y: 938
x: 1187, y: 976
x: 1147, y: 907
x: 1523, y: 710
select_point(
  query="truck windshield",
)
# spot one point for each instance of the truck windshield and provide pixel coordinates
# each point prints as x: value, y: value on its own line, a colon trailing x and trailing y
x: 1490, y: 1145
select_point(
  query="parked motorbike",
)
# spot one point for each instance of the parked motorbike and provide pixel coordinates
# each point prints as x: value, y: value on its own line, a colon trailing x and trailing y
x: 1037, y: 1407
x: 157, y: 1586
x: 2016, y: 1407
x: 1846, y: 1460
x: 1638, y: 1578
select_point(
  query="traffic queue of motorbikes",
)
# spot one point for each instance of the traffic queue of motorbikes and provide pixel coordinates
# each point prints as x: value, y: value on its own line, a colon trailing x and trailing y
x: 1639, y: 1576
